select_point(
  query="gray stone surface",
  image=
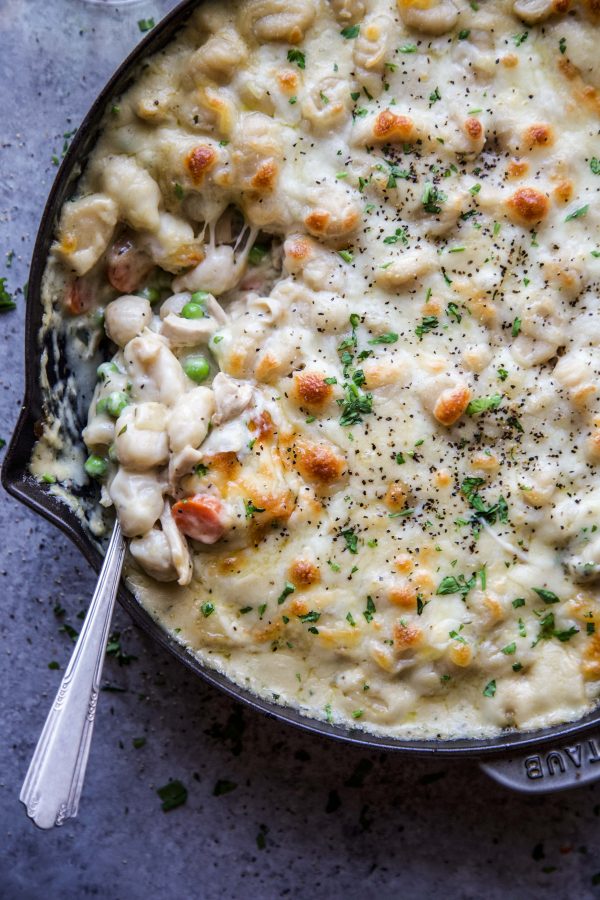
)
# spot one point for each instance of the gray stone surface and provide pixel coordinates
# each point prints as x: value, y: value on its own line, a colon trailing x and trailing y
x: 421, y: 829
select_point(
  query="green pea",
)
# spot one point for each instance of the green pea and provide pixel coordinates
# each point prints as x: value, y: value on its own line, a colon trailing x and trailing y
x: 116, y: 403
x: 151, y: 294
x: 196, y: 368
x: 105, y: 370
x: 199, y: 296
x: 193, y: 311
x: 256, y: 255
x: 101, y: 405
x: 95, y: 466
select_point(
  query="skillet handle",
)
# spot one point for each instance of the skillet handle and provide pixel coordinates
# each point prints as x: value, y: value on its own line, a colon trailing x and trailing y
x: 546, y: 770
x: 55, y: 776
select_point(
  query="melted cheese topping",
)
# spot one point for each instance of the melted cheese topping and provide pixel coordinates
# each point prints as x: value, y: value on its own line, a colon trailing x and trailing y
x: 384, y: 508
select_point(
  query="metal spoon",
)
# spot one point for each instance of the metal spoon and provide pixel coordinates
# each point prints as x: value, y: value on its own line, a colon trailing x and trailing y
x: 54, y: 780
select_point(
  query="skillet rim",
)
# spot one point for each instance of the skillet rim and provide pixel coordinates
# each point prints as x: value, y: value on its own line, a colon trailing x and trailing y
x: 19, y: 484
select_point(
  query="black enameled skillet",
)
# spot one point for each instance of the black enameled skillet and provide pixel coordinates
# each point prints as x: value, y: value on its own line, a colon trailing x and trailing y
x: 552, y: 759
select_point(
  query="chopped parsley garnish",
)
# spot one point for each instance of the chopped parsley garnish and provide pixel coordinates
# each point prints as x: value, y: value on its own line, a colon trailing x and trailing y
x: 519, y: 601
x: 251, y: 509
x: 595, y: 165
x: 408, y: 48
x: 456, y: 636
x: 346, y: 255
x: 399, y: 457
x: 434, y: 97
x: 431, y: 198
x: 509, y: 649
x: 350, y: 620
x: 475, y: 189
x: 463, y: 34
x: 520, y: 38
x: 287, y: 590
x: 390, y: 337
x: 173, y: 794
x: 179, y: 192
x: 403, y: 514
x: 351, y: 31
x: 311, y: 616
x: 6, y: 301
x: 370, y: 610
x: 298, y: 57
x: 138, y: 742
x: 578, y: 213
x: 420, y: 604
x: 201, y: 470
x: 489, y: 513
x: 207, y: 608
x: 517, y: 667
x: 546, y: 595
x: 453, y: 313
x: 548, y: 631
x: 516, y: 327
x: 398, y: 235
x: 482, y: 404
x: 354, y: 405
x: 490, y: 689
x: 427, y: 324
x: 502, y: 374
x: 351, y: 540
x: 562, y: 45
x: 456, y: 585
x: 394, y: 173
x: 146, y: 24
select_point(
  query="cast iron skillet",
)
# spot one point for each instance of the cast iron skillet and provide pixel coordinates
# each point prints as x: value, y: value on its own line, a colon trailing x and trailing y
x: 551, y: 759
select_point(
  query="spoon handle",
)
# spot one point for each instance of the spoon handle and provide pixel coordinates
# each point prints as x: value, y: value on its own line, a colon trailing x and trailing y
x: 54, y: 780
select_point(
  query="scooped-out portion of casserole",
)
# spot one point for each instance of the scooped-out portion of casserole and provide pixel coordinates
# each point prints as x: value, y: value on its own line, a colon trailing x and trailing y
x: 347, y: 255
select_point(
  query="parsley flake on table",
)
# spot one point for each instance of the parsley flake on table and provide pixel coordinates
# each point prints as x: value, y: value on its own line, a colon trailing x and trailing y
x: 146, y: 25
x: 173, y: 794
x: 6, y: 301
x: 223, y: 786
